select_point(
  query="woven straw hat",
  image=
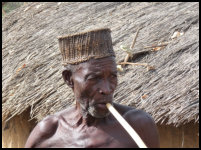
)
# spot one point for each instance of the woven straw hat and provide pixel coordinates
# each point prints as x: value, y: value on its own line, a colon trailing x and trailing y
x: 80, y: 47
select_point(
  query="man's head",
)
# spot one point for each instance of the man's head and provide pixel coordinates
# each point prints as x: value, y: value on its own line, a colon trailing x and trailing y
x: 90, y: 69
x: 93, y: 83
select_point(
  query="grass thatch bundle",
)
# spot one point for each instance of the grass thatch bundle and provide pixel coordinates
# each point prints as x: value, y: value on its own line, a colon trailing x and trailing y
x: 31, y: 71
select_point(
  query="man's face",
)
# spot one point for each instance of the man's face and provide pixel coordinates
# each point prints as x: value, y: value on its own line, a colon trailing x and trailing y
x: 94, y: 84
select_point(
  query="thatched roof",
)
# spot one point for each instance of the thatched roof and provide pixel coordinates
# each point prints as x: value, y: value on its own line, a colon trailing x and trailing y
x: 31, y: 71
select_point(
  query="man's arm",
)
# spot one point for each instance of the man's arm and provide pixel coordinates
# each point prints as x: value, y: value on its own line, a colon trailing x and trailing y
x: 145, y: 126
x: 43, y: 130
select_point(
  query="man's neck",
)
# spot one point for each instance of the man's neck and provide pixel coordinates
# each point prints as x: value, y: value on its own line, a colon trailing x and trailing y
x: 85, y: 118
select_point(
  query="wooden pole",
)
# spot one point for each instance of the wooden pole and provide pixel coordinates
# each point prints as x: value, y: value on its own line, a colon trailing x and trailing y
x: 126, y: 126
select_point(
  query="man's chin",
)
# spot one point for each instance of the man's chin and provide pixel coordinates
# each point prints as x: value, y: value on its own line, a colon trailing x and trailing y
x: 98, y: 111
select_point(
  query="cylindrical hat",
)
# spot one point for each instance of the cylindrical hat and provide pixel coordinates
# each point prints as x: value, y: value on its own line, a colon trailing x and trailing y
x: 80, y: 47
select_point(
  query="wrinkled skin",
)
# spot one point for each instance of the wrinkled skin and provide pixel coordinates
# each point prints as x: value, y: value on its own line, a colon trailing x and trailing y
x: 89, y: 123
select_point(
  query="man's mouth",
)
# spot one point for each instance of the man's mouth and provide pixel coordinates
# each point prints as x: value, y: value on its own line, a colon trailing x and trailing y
x: 100, y: 102
x: 101, y: 105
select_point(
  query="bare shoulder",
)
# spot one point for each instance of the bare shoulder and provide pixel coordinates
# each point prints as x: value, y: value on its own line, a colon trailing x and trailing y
x: 138, y: 115
x: 133, y: 114
x: 42, y: 131
x: 143, y: 124
x: 46, y: 128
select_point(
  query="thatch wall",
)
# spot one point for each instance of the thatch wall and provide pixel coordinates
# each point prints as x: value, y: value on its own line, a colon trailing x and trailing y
x: 185, y: 136
x: 31, y: 71
x: 16, y: 131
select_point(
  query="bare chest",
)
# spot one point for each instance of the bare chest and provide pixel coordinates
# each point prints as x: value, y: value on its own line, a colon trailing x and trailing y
x: 89, y: 138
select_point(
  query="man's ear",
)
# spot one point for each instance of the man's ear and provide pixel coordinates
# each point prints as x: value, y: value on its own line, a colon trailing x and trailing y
x: 67, y: 76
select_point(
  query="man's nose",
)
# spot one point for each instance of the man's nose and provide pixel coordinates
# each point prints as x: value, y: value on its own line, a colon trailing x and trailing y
x: 105, y: 88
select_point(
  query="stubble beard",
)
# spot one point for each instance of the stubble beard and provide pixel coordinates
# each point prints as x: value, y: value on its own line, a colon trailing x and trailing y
x: 92, y: 110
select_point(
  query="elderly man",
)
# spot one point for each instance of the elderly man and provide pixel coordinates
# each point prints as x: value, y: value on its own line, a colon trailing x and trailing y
x: 90, y: 71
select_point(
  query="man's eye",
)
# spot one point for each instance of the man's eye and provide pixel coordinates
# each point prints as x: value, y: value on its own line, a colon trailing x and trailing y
x: 92, y: 77
x: 114, y: 76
